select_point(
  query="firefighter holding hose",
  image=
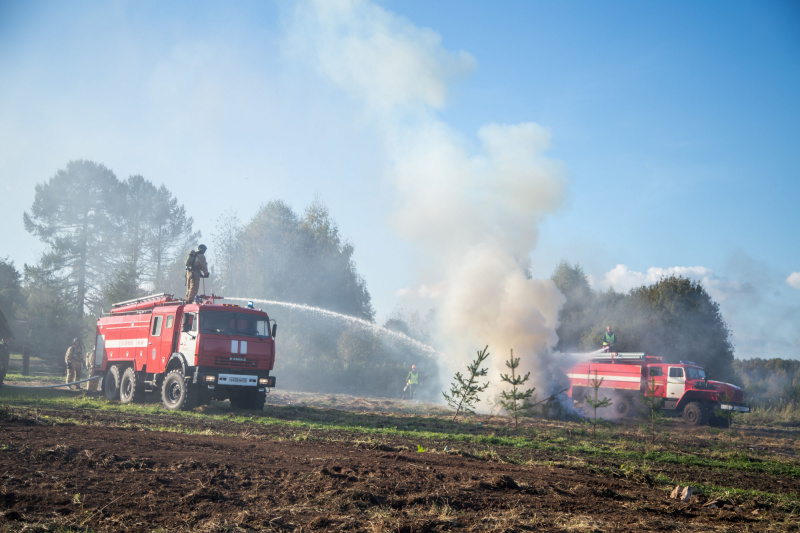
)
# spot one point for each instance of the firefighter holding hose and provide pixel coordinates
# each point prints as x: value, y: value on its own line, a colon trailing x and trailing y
x: 412, y: 383
x: 196, y: 267
x: 73, y: 358
x: 609, y: 340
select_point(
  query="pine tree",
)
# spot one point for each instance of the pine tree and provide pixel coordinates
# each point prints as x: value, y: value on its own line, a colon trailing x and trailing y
x: 464, y: 390
x: 595, y: 402
x: 515, y: 400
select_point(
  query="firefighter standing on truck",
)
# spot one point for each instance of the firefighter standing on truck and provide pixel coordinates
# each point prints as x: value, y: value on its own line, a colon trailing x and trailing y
x: 196, y: 268
x: 74, y: 362
x: 609, y: 340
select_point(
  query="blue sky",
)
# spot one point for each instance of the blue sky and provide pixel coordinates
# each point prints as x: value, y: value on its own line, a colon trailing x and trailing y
x: 637, y: 139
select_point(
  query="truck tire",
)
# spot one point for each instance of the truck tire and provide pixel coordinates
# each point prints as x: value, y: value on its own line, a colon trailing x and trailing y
x: 129, y: 387
x: 623, y: 407
x: 175, y: 393
x: 111, y: 383
x: 693, y: 414
x: 249, y: 398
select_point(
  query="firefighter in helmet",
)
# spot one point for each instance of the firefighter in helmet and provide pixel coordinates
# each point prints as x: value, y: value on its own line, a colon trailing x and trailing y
x: 609, y: 340
x: 74, y: 361
x: 196, y: 267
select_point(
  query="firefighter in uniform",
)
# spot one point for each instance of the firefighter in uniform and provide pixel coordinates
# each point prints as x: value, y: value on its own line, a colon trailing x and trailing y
x: 412, y: 383
x: 88, y: 362
x: 609, y: 340
x: 196, y: 268
x: 5, y: 355
x: 74, y: 361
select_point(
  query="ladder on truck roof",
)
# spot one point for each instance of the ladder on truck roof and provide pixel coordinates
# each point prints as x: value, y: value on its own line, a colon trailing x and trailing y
x: 143, y: 304
x: 143, y: 299
x: 625, y: 356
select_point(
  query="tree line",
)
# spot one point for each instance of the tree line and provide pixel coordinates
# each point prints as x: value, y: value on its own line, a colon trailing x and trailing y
x: 109, y: 240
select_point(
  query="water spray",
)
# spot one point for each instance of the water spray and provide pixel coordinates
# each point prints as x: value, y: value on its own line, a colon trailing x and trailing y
x: 351, y: 319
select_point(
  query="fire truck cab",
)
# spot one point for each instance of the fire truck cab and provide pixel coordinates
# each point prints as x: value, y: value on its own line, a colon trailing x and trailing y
x: 191, y: 353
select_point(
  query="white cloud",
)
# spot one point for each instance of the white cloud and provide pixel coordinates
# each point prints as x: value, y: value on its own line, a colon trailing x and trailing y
x: 622, y: 279
x: 793, y: 280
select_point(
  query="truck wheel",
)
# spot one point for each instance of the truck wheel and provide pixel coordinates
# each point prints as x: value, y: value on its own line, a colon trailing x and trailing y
x: 623, y: 407
x: 175, y: 394
x: 129, y: 389
x: 111, y: 383
x: 693, y: 414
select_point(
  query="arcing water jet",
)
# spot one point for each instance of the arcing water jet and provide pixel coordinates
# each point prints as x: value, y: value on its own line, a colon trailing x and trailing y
x: 360, y: 322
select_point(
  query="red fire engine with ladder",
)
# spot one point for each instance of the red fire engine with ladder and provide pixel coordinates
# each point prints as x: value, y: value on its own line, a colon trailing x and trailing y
x: 190, y: 353
x: 679, y: 388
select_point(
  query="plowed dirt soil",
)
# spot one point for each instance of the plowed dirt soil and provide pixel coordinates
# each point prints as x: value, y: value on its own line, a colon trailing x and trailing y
x: 95, y: 470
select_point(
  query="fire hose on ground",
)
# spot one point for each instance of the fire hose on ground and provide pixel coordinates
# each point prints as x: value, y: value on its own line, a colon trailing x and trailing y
x: 51, y: 386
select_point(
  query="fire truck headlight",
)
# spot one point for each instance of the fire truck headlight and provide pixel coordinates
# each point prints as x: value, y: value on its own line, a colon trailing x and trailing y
x: 263, y: 381
x: 210, y: 379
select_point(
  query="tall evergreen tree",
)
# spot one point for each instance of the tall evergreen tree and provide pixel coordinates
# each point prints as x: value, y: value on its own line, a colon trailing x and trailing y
x: 73, y: 213
x: 11, y: 298
x: 678, y: 319
x: 577, y: 314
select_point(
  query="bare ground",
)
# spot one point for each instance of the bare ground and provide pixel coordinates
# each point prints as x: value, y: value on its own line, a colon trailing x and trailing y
x: 91, y: 470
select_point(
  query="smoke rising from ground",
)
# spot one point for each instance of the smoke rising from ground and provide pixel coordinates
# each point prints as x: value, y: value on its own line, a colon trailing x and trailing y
x: 471, y: 206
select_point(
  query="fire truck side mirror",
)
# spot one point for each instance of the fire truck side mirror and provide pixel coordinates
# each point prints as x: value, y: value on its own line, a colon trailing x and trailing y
x: 274, y: 330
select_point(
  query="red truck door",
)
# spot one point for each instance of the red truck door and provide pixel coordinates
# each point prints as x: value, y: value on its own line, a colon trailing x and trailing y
x: 167, y: 336
x: 154, y: 353
x: 655, y: 382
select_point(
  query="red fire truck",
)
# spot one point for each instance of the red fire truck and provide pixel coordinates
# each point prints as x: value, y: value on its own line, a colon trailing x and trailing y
x: 191, y: 353
x: 680, y: 389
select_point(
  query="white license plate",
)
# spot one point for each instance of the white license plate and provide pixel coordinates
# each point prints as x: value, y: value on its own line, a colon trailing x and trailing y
x: 236, y: 379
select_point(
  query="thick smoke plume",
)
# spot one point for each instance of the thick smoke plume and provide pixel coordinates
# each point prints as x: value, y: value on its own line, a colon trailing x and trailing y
x: 474, y: 216
x: 470, y: 205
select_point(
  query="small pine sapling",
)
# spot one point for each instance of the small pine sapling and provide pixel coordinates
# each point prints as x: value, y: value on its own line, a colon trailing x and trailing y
x: 515, y: 400
x: 464, y: 391
x: 596, y: 403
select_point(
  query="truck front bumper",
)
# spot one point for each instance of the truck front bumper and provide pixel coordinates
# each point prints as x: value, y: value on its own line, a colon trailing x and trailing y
x: 734, y: 407
x: 212, y: 378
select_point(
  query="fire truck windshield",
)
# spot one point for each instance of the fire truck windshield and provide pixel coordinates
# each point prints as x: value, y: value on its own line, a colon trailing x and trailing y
x: 695, y: 373
x: 224, y: 323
